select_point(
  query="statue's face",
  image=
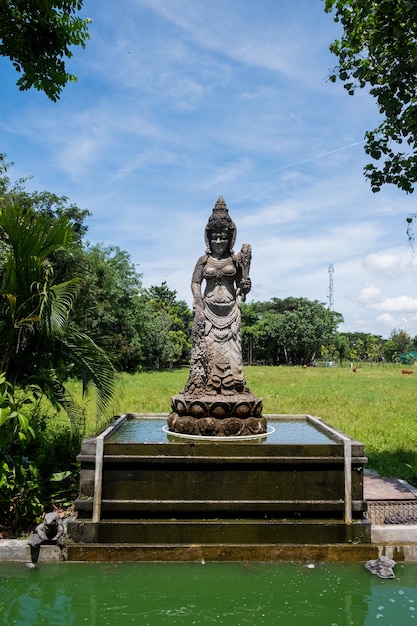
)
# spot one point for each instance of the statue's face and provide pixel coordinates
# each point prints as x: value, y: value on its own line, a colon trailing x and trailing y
x: 219, y: 242
x: 51, y: 520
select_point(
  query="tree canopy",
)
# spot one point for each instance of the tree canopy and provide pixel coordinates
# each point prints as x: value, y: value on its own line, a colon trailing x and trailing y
x: 40, y: 276
x: 36, y: 35
x: 165, y: 327
x: 378, y: 49
x: 288, y: 331
x: 38, y: 342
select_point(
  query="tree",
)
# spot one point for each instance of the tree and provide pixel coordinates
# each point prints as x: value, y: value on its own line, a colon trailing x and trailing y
x: 36, y: 35
x: 342, y: 347
x: 250, y: 317
x: 362, y: 346
x: 37, y: 339
x: 401, y: 339
x: 39, y: 348
x: 107, y: 306
x: 378, y: 49
x: 14, y: 193
x: 165, y: 329
x: 289, y: 331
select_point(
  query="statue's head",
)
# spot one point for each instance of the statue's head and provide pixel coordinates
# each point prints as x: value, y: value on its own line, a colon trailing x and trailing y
x: 220, y: 222
x: 51, y: 520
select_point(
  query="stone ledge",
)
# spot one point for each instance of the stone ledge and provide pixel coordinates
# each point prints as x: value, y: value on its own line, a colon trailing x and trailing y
x: 395, y: 533
x: 18, y: 550
x: 385, y: 541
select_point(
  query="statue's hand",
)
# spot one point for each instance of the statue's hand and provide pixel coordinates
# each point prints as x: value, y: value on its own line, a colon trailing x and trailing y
x: 198, y: 303
x: 245, y: 285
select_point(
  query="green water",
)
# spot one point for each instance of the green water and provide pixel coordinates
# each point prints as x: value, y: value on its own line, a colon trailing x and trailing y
x: 154, y: 594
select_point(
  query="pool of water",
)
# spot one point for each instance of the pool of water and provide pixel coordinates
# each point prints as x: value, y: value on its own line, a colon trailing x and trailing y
x: 143, y: 430
x: 231, y: 594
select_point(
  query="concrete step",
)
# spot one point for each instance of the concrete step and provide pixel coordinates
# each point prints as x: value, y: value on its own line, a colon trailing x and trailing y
x: 219, y: 531
x: 308, y: 553
x: 125, y: 507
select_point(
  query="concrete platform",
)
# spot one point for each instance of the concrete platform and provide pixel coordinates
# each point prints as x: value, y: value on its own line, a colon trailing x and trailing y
x: 18, y: 550
x: 399, y: 500
x: 381, y: 488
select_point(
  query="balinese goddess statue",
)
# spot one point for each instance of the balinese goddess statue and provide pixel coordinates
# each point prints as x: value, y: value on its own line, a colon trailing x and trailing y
x: 216, y: 400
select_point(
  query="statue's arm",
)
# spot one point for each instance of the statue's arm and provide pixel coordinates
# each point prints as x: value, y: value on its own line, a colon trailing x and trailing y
x: 60, y: 530
x: 243, y: 261
x: 196, y: 281
x: 40, y: 531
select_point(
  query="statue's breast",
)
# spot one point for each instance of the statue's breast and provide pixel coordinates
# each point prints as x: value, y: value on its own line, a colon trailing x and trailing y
x: 224, y: 267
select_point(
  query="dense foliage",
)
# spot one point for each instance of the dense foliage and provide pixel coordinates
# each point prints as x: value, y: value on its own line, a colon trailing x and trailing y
x: 140, y: 328
x: 39, y: 345
x: 35, y: 35
x: 165, y: 328
x: 378, y: 50
x: 289, y: 332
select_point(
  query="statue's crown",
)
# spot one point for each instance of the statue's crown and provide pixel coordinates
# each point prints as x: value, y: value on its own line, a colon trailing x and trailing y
x: 220, y: 206
x: 221, y: 214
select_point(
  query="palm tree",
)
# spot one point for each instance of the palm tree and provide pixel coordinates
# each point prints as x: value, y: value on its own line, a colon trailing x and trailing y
x: 37, y: 340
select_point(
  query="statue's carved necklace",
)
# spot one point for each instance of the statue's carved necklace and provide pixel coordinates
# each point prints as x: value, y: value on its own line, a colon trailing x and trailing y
x: 218, y: 264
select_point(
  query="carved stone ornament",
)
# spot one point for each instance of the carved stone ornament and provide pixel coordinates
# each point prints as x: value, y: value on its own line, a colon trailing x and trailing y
x: 215, y: 400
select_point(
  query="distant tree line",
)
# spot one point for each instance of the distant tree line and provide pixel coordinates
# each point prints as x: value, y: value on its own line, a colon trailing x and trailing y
x: 373, y: 348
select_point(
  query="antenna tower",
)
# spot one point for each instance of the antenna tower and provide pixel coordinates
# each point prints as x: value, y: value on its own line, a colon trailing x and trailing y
x: 330, y: 296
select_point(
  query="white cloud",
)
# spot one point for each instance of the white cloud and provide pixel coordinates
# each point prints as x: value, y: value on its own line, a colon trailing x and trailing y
x: 370, y: 297
x: 387, y: 320
x: 399, y: 304
x: 388, y: 265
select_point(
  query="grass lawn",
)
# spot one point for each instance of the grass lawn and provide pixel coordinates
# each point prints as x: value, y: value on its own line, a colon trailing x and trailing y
x: 376, y: 405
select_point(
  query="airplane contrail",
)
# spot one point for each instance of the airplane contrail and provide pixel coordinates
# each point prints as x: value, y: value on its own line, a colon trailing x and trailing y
x: 317, y: 156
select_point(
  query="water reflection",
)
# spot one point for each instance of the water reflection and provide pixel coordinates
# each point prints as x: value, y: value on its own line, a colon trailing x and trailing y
x: 154, y: 594
x: 284, y: 432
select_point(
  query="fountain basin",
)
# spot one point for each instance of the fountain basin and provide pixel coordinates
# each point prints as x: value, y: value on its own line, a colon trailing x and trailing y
x: 303, y: 484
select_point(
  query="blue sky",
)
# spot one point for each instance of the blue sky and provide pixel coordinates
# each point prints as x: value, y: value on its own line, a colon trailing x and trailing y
x: 180, y: 101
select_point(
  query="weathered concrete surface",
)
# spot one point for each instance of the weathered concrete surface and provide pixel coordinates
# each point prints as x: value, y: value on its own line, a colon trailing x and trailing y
x: 382, y: 488
x: 18, y: 550
x: 232, y: 553
x: 395, y: 534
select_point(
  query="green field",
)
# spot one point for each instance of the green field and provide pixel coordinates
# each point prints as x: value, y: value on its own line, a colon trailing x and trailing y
x: 377, y: 404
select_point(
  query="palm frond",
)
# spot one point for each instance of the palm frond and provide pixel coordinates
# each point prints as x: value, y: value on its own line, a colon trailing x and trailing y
x: 29, y: 239
x: 56, y: 305
x: 48, y: 381
x: 94, y: 366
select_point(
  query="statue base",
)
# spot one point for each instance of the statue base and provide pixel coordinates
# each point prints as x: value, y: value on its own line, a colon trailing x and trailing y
x: 219, y: 415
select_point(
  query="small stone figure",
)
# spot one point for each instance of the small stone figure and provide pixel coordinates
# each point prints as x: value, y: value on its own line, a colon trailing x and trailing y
x: 49, y: 532
x: 216, y: 400
x: 382, y: 567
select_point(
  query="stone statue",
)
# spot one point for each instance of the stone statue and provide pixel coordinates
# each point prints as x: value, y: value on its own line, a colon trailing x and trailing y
x: 49, y: 532
x: 215, y: 400
x: 382, y: 567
